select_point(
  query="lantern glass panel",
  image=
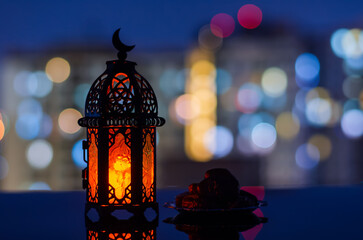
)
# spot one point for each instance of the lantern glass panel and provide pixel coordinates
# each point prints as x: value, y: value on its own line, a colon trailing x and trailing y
x: 148, y: 170
x: 119, y: 166
x: 93, y: 164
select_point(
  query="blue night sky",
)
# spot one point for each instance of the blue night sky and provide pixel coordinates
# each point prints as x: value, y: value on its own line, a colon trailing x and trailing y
x: 38, y: 24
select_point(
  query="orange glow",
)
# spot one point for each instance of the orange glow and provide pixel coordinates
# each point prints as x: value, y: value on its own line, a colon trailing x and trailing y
x: 148, y: 236
x: 93, y: 165
x: 117, y: 236
x: 92, y: 235
x: 119, y: 168
x: 2, y: 129
x: 148, y: 165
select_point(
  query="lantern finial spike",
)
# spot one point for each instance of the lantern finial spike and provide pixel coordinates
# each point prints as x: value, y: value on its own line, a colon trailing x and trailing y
x: 123, y: 49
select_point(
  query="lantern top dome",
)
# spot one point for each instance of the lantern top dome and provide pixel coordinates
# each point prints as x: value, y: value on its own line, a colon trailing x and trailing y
x: 121, y: 96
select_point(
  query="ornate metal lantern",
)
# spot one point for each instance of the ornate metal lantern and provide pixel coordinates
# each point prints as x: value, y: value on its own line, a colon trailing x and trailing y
x: 121, y: 116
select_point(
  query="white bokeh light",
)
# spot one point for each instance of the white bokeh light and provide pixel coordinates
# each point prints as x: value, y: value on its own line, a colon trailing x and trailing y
x: 219, y: 141
x: 264, y: 135
x: 352, y: 123
x: 39, y: 154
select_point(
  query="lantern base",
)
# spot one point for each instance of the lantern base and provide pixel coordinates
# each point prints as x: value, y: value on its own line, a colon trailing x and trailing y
x: 121, y: 215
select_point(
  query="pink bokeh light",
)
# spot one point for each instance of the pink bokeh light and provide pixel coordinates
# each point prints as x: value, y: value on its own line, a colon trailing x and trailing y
x: 249, y: 16
x: 222, y: 25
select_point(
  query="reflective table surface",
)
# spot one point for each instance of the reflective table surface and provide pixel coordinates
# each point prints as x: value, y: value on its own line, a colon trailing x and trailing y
x: 309, y: 213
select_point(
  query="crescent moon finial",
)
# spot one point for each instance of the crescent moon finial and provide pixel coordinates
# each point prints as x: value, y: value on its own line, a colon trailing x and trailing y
x: 123, y: 49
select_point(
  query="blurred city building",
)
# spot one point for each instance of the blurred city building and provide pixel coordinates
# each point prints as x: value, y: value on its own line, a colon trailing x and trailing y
x: 268, y: 105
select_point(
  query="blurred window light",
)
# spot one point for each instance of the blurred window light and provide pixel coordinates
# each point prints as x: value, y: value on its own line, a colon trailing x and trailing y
x: 350, y: 105
x: 39, y: 186
x: 307, y: 156
x: 352, y: 86
x: 353, y: 66
x: 30, y: 106
x: 4, y: 167
x: 46, y: 126
x: 223, y: 81
x: 323, y: 144
x: 336, y: 42
x: 178, y: 79
x: 203, y: 68
x: 352, y: 123
x: 318, y: 92
x: 80, y: 94
x: 274, y: 104
x: 77, y: 155
x: 263, y: 135
x: 27, y: 126
x: 287, y: 125
x: 39, y: 154
x: 249, y: 16
x: 318, y: 111
x: 222, y: 25
x: 2, y: 129
x: 68, y: 120
x: 219, y: 141
x: 58, y: 69
x: 307, y: 68
x: 244, y: 145
x: 207, y: 100
x: 249, y: 98
x: 208, y: 40
x: 300, y: 99
x: 350, y: 43
x: 187, y: 107
x: 20, y: 83
x: 39, y: 84
x: 274, y: 82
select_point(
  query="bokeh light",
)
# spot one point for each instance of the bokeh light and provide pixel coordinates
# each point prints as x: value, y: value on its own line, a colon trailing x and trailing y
x: 307, y: 68
x: 219, y: 141
x: 20, y: 83
x: 323, y: 144
x: 28, y: 123
x: 351, y: 104
x: 39, y: 186
x: 222, y: 25
x: 223, y: 81
x: 353, y: 66
x: 336, y: 42
x: 39, y: 84
x: 4, y: 167
x: 249, y: 98
x: 46, y: 126
x: 249, y: 16
x: 68, y: 120
x: 187, y: 107
x: 287, y: 125
x: 352, y: 123
x: 350, y: 43
x: 318, y: 111
x: 2, y: 129
x: 274, y: 104
x: 39, y: 154
x: 352, y: 86
x: 77, y: 155
x: 178, y: 78
x: 58, y: 69
x: 274, y: 82
x: 263, y: 135
x: 208, y: 40
x: 307, y: 156
x: 203, y: 68
x: 80, y: 94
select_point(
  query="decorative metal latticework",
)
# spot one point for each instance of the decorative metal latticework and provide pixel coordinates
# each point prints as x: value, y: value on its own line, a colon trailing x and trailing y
x: 121, y: 116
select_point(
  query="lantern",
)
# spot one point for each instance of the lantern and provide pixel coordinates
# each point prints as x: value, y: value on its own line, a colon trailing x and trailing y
x: 121, y: 116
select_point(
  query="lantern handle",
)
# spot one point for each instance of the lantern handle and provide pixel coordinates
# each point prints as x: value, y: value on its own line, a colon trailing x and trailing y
x: 123, y: 49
